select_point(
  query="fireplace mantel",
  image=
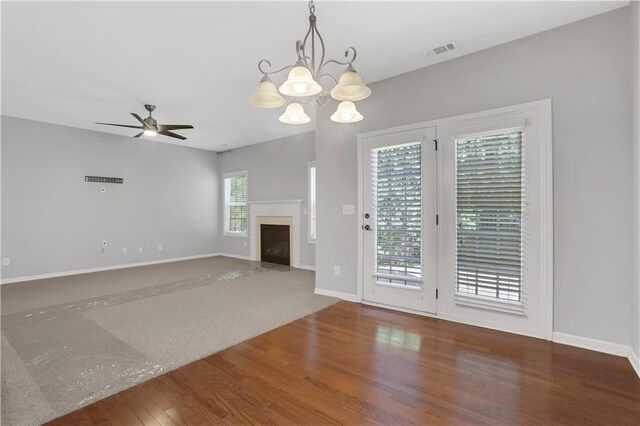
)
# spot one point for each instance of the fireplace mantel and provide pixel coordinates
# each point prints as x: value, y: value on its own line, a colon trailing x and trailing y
x: 287, y: 208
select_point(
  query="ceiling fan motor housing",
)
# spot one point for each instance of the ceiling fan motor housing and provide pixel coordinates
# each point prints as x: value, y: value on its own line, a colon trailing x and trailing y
x: 151, y: 122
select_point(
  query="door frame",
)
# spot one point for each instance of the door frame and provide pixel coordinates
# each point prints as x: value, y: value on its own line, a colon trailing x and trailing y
x: 547, y: 285
x: 430, y: 279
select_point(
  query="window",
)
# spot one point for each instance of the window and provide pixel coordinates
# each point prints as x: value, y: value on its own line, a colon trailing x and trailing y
x: 235, y: 204
x: 312, y: 201
x: 398, y: 221
x: 489, y: 213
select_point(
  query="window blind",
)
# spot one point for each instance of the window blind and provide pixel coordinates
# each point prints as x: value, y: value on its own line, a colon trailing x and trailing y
x: 398, y: 214
x: 312, y: 202
x: 489, y: 208
x: 237, y: 203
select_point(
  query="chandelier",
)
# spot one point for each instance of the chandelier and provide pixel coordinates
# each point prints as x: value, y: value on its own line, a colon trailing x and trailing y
x: 303, y: 82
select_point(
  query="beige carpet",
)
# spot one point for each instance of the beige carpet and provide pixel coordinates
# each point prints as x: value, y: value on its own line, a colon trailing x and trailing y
x: 69, y: 341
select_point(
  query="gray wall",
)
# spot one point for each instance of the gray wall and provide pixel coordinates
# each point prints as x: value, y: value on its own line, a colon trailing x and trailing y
x: 635, y: 299
x: 277, y: 171
x: 52, y: 221
x: 586, y: 69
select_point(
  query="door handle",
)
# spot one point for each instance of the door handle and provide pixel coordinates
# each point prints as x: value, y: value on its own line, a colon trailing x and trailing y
x: 366, y: 227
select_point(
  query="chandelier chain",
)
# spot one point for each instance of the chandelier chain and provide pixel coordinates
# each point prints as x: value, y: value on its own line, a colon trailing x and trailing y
x: 312, y: 8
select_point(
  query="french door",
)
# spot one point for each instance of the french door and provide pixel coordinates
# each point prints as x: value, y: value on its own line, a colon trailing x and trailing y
x: 399, y: 219
x: 464, y: 231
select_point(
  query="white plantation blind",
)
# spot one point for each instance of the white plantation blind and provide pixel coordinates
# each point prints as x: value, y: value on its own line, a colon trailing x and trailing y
x: 489, y: 206
x: 312, y: 201
x: 236, y: 203
x: 398, y: 221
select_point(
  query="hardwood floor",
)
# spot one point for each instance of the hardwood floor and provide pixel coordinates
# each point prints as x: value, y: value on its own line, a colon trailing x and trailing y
x: 356, y: 364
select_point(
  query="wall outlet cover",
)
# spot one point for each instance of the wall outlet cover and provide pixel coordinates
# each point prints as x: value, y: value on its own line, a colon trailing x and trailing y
x: 336, y: 270
x: 139, y: 249
x: 348, y: 209
x: 159, y: 247
x: 124, y: 250
x: 6, y: 261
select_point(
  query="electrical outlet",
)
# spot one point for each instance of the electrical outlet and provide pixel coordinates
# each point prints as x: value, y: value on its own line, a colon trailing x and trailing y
x: 139, y: 249
x: 336, y: 270
x: 159, y: 247
x: 6, y: 261
x: 124, y: 250
x: 244, y: 243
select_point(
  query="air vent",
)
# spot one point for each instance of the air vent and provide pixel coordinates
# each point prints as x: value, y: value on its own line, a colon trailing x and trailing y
x: 440, y: 50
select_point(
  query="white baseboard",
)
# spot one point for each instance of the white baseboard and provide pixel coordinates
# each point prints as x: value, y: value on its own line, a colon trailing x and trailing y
x: 102, y: 268
x: 344, y: 296
x: 591, y: 344
x: 634, y: 359
x: 600, y: 346
x: 308, y: 267
x: 235, y: 256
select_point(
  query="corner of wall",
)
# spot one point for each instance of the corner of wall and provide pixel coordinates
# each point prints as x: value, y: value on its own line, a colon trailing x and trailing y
x: 635, y: 299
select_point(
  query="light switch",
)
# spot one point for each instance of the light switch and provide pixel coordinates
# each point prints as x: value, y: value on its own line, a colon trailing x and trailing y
x: 348, y: 209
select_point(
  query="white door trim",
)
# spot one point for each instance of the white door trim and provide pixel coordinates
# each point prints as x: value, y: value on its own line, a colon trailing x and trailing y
x: 547, y: 194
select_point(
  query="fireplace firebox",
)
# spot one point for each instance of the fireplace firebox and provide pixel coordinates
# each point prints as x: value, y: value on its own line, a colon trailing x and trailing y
x: 274, y: 244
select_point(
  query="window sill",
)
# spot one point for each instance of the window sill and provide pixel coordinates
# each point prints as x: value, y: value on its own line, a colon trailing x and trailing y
x: 516, y: 308
x: 235, y: 234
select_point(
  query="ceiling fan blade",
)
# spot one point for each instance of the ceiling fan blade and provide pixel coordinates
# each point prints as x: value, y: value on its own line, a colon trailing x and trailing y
x: 171, y: 134
x: 120, y: 125
x: 174, y: 126
x: 139, y: 134
x: 138, y: 118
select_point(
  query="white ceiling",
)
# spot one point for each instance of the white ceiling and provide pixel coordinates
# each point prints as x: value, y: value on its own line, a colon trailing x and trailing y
x: 75, y: 63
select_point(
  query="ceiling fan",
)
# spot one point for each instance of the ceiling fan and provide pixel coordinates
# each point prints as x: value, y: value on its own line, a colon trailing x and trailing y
x: 150, y: 126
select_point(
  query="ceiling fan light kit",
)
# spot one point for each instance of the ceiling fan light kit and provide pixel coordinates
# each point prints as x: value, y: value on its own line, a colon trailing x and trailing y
x: 303, y: 82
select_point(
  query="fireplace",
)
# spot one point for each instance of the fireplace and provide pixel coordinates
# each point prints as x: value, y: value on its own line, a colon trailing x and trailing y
x: 276, y: 212
x: 274, y: 244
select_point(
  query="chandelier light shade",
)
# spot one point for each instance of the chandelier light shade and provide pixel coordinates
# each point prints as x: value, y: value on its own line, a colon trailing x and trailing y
x: 294, y: 114
x: 266, y: 95
x: 350, y: 87
x: 300, y: 82
x: 346, y: 113
x: 305, y: 79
